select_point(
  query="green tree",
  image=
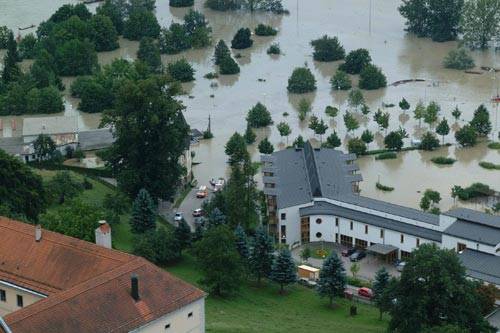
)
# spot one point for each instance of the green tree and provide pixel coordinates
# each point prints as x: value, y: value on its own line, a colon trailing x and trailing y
x: 261, y: 254
x: 143, y: 213
x: 241, y: 242
x: 372, y: 78
x: 284, y: 130
x: 236, y: 149
x: 149, y: 53
x: 393, y: 141
x: 480, y: 22
x: 94, y: 97
x: 332, y: 278
x: 219, y: 261
x: 75, y: 57
x: 382, y: 119
x: 182, y: 234
x: 445, y: 329
x: 443, y: 128
x: 341, y: 81
x: 104, y: 32
x: 304, y: 108
x: 117, y: 202
x: 181, y: 70
x: 283, y: 270
x: 44, y: 147
x: 242, y: 39
x: 141, y: 23
x: 431, y: 113
x: 365, y: 109
x: 355, y: 98
x: 249, y: 135
x: 27, y: 47
x: 115, y: 12
x: 419, y: 112
x: 381, y: 295
x: 306, y: 253
x: 327, y: 49
x: 228, y: 66
x: 301, y: 81
x: 350, y: 122
x: 354, y: 270
x: 221, y: 52
x: 63, y: 187
x: 367, y: 137
x: 458, y: 59
x: 320, y: 129
x: 429, y: 141
x: 433, y: 290
x: 11, y: 70
x: 356, y: 146
x: 355, y: 61
x: 175, y: 39
x: 181, y: 3
x: 158, y: 246
x: 487, y: 297
x: 481, y: 121
x: 259, y: 116
x: 4, y: 36
x: 299, y: 142
x: 148, y: 155
x: 404, y: 105
x: 332, y: 141
x: 223, y: 5
x: 266, y: 147
x: 265, y: 30
x: 197, y: 28
x: 456, y: 113
x: 466, y: 136
x: 331, y: 111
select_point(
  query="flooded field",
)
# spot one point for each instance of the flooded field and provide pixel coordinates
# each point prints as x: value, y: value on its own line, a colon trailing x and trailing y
x: 400, y: 56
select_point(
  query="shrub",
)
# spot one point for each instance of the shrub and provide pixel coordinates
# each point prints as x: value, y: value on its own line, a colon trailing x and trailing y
x: 301, y: 81
x: 265, y: 30
x: 458, y: 59
x: 474, y: 191
x: 356, y: 146
x: 429, y: 141
x: 211, y: 76
x: 386, y: 156
x: 181, y: 70
x: 443, y: 160
x: 274, y: 49
x: 242, y: 39
x: 266, y: 147
x: 304, y: 108
x: 259, y: 116
x: 383, y: 187
x: 494, y: 145
x: 393, y: 141
x: 228, y: 66
x: 327, y: 49
x: 489, y: 165
x: 371, y: 78
x: 221, y: 52
x: 181, y: 3
x: 341, y: 81
x: 466, y: 136
x: 222, y: 5
x: 355, y: 61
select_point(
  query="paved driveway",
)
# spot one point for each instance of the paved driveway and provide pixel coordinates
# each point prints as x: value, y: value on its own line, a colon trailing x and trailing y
x: 190, y: 203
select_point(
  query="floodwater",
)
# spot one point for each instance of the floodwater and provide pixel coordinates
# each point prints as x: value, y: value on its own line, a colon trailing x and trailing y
x: 401, y: 57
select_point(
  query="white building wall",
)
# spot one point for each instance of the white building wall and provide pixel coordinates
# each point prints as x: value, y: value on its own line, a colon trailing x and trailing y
x: 292, y: 223
x: 451, y: 242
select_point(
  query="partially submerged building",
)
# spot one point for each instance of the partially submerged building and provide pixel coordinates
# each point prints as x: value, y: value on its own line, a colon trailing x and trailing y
x: 313, y: 195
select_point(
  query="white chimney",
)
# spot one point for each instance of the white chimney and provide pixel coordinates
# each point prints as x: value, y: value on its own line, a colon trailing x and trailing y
x: 38, y: 232
x: 103, y: 234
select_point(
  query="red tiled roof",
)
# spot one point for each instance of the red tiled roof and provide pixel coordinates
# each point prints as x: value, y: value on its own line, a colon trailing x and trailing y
x: 88, y: 285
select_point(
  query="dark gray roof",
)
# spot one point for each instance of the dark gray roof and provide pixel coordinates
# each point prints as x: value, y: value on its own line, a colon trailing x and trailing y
x: 475, y: 217
x: 326, y: 208
x: 481, y: 265
x: 12, y: 145
x: 475, y: 232
x: 95, y: 139
x: 383, y: 249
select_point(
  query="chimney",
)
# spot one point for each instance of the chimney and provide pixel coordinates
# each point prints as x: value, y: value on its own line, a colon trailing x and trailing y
x: 134, y: 287
x: 103, y: 234
x: 38, y: 232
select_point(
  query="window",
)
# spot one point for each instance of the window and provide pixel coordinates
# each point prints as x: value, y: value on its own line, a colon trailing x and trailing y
x: 402, y: 238
x: 381, y: 233
x: 319, y: 234
x: 336, y: 238
x: 3, y: 296
x: 336, y: 221
x: 20, y: 301
x: 283, y: 231
x: 405, y: 255
x: 351, y: 225
x: 318, y: 221
x: 366, y: 229
x: 283, y: 216
x: 167, y: 327
x: 418, y: 242
x: 461, y: 247
x: 190, y: 314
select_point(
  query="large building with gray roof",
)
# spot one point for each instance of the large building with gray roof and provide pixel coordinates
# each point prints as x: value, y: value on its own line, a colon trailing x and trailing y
x: 313, y: 195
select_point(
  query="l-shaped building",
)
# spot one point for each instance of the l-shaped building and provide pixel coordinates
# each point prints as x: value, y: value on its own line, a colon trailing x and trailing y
x: 313, y: 195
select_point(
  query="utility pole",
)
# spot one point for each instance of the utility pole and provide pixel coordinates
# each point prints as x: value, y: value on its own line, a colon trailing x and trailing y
x: 370, y: 19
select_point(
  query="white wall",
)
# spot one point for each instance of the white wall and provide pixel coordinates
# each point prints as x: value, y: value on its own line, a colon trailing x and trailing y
x: 292, y: 223
x: 450, y: 242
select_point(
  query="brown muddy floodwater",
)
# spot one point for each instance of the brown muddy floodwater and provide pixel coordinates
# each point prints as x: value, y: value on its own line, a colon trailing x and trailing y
x: 401, y: 57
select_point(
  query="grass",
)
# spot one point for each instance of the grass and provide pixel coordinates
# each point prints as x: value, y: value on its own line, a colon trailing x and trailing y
x: 182, y: 196
x: 386, y: 156
x: 494, y: 145
x: 442, y: 160
x: 489, y: 165
x: 264, y: 310
x: 383, y: 187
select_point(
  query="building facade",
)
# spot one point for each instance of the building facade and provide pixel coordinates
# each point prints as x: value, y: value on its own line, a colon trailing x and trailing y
x: 313, y: 195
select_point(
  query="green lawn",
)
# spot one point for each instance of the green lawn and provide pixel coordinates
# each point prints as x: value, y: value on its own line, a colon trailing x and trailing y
x: 264, y: 310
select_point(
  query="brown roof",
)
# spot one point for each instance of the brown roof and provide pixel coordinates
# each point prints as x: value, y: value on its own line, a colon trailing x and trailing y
x: 88, y: 285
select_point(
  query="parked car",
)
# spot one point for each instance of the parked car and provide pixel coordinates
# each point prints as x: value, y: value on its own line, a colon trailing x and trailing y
x: 365, y: 292
x: 307, y: 282
x: 400, y: 266
x: 178, y: 217
x: 202, y: 192
x: 358, y: 255
x: 198, y: 212
x: 347, y: 252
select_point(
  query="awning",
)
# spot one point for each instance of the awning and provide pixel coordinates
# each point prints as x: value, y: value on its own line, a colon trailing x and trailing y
x: 382, y: 249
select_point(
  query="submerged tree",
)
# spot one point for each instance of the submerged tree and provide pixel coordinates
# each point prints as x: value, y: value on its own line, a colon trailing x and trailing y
x: 327, y: 49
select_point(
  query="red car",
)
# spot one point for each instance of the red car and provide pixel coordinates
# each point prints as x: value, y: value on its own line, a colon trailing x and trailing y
x: 365, y: 292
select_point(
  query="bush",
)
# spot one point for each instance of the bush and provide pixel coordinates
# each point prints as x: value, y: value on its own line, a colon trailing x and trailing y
x: 489, y: 165
x: 443, y: 160
x: 466, y: 136
x: 211, y: 76
x: 242, y: 39
x: 228, y: 66
x: 274, y: 49
x: 371, y: 78
x: 356, y: 146
x: 181, y: 70
x: 383, y: 187
x: 458, y: 59
x: 259, y: 116
x: 181, y: 3
x: 429, y: 141
x: 327, y: 49
x: 265, y: 30
x: 494, y: 145
x: 386, y: 156
x: 222, y: 5
x: 355, y: 61
x: 341, y: 81
x: 301, y: 81
x: 393, y: 141
x: 474, y: 191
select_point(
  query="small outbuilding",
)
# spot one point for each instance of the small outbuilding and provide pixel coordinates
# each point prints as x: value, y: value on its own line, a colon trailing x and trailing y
x: 308, y: 272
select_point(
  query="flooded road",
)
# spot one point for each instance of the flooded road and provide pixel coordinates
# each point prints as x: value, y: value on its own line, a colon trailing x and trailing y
x: 400, y: 56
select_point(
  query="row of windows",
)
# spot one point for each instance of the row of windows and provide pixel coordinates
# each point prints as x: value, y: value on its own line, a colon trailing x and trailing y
x: 167, y: 326
x: 3, y: 298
